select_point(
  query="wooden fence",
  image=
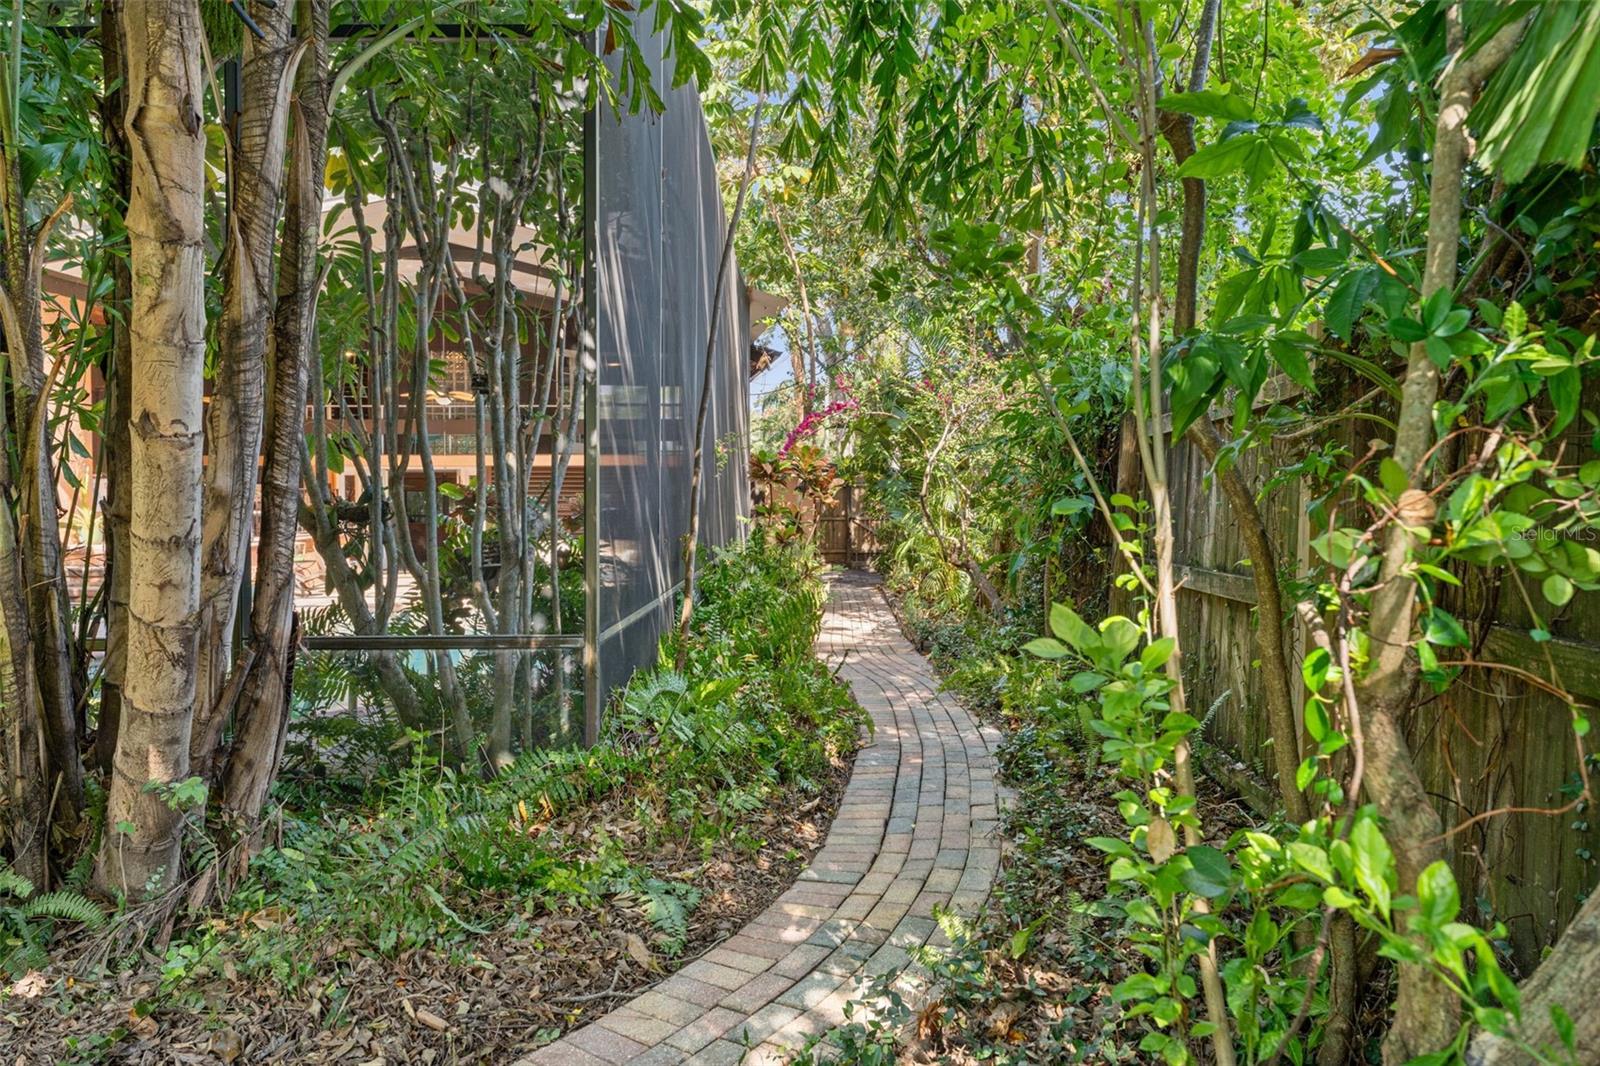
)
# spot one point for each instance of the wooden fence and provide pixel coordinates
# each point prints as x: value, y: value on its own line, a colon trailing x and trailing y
x: 1492, y: 741
x: 843, y: 537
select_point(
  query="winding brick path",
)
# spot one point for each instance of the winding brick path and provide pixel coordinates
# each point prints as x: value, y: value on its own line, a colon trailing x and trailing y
x: 916, y: 830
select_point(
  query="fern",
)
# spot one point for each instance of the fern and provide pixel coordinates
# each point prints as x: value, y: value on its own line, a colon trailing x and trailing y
x: 666, y: 904
x: 14, y: 884
x: 65, y: 906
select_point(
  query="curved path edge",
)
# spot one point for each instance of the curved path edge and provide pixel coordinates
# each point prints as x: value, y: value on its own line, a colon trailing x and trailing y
x: 917, y: 830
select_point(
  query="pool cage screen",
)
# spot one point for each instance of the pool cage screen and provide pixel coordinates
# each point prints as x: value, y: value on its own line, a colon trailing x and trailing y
x: 654, y: 230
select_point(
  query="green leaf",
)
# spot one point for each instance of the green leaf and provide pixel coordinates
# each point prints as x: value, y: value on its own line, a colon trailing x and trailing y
x: 1556, y: 589
x: 1195, y: 378
x: 1317, y: 724
x: 1393, y: 477
x: 1437, y: 894
x: 1374, y: 862
x: 1209, y: 874
x: 1346, y: 301
x: 1312, y: 859
x: 1566, y: 393
x: 1118, y: 638
x: 1441, y: 627
x: 1045, y: 648
x: 1072, y: 505
x: 1408, y: 330
x: 1315, y: 668
x: 1065, y: 624
x: 1319, y: 261
x: 1112, y: 846
x: 1157, y: 652
x: 1515, y: 320
x: 1208, y: 103
x: 1561, y: 1021
x: 1334, y: 896
x: 1218, y: 160
x: 1291, y: 359
x: 1086, y: 681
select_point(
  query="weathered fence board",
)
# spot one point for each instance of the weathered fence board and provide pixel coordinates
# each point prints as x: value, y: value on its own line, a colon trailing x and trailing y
x: 1493, y: 741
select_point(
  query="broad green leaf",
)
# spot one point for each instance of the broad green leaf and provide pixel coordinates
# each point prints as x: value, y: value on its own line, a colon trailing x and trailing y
x: 1291, y: 359
x: 1209, y: 874
x: 1373, y: 862
x: 1393, y: 477
x: 1437, y: 894
x: 1349, y: 296
x: 1556, y: 589
x: 1233, y: 155
x: 1118, y: 638
x: 1157, y: 652
x: 1066, y: 625
x: 1312, y: 859
x: 1441, y: 627
x: 1317, y: 724
x: 1045, y: 648
x: 1208, y: 103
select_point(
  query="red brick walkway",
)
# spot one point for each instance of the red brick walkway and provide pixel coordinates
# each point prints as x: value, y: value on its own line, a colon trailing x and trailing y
x: 916, y: 830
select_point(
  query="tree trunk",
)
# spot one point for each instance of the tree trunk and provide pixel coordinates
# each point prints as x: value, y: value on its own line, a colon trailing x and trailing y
x: 1426, y: 1011
x: 238, y: 394
x: 36, y: 559
x: 1567, y: 978
x: 21, y: 755
x: 166, y: 140
x: 114, y: 442
x: 262, y: 709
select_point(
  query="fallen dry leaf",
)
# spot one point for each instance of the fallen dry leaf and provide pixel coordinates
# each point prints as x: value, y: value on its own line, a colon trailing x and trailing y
x: 30, y: 986
x: 432, y: 1021
x: 641, y: 951
x: 225, y: 1045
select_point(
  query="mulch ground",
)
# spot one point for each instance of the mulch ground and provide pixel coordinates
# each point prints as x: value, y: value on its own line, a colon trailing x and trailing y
x: 489, y: 1000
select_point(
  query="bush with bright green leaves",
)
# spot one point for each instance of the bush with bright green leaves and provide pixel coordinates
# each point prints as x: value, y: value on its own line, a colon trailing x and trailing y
x: 1243, y: 901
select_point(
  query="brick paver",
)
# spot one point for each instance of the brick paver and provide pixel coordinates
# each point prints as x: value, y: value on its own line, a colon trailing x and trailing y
x: 916, y: 831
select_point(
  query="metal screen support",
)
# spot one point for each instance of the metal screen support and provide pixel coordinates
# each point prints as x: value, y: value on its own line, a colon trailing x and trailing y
x: 588, y: 352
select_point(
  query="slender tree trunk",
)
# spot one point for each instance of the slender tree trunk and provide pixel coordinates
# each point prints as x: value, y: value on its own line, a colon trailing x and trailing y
x: 238, y: 394
x: 1426, y: 1011
x: 1152, y: 447
x: 262, y: 709
x: 114, y: 442
x: 805, y: 362
x: 22, y: 759
x: 37, y: 716
x: 32, y: 492
x: 691, y: 538
x: 1271, y: 647
x: 166, y: 140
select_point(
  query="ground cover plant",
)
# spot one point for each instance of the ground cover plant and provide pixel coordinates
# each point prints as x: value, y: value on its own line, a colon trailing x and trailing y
x: 441, y: 918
